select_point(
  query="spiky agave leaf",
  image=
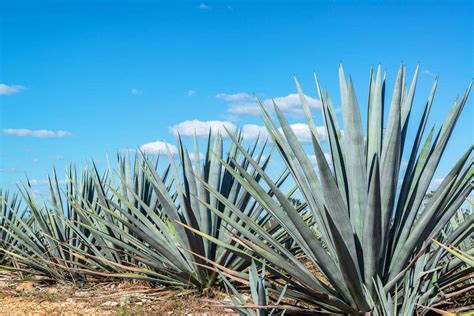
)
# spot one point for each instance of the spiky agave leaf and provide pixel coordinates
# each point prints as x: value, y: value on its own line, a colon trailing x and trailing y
x: 371, y: 231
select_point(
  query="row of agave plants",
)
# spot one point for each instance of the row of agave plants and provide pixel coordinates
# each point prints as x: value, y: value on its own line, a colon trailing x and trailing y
x: 379, y: 240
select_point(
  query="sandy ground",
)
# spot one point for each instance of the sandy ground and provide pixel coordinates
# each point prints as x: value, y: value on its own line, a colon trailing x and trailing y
x: 34, y: 298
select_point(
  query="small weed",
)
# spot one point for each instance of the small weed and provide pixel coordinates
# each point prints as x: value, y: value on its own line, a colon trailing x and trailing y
x: 127, y: 310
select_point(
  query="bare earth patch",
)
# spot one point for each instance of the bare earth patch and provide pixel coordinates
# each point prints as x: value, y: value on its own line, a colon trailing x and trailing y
x: 33, y: 298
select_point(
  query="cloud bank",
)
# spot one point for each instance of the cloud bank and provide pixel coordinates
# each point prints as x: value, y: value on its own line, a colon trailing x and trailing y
x: 242, y: 104
x: 8, y: 90
x: 40, y: 133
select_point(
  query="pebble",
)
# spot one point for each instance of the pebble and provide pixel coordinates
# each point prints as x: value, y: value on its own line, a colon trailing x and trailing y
x: 110, y: 304
x: 25, y: 287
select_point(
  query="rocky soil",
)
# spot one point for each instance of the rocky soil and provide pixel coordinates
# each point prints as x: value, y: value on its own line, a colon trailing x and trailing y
x: 34, y: 297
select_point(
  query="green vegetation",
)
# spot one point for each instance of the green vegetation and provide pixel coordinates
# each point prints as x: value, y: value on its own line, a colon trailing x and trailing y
x: 362, y: 222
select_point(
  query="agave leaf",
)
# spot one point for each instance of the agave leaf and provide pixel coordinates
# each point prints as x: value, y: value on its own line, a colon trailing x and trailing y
x: 372, y: 227
x: 456, y: 252
x: 354, y: 160
x: 390, y: 158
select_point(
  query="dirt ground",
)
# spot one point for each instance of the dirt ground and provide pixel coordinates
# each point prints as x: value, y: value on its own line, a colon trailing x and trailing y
x: 34, y: 298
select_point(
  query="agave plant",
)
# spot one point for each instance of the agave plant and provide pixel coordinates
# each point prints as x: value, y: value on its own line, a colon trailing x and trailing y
x: 369, y: 214
x: 46, y: 240
x: 260, y: 300
x: 10, y: 211
x: 147, y: 213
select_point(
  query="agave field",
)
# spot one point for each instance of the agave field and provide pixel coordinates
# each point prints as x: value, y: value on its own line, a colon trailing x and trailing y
x: 360, y: 231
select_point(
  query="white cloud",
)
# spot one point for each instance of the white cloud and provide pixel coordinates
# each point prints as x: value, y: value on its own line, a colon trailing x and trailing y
x: 41, y: 133
x: 191, y: 93
x: 249, y: 131
x: 242, y: 105
x: 428, y: 73
x: 8, y: 90
x: 201, y: 128
x: 252, y: 131
x: 245, y: 109
x: 136, y: 91
x: 159, y: 147
x: 8, y: 170
x: 291, y: 103
x: 203, y: 6
x: 303, y: 133
x: 235, y: 97
x: 58, y: 157
x: 35, y: 182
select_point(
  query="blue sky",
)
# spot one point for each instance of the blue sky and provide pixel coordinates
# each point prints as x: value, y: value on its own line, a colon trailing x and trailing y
x: 80, y: 79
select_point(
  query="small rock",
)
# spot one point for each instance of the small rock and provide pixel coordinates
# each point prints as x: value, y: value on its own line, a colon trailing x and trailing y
x: 124, y: 300
x: 25, y: 287
x: 51, y: 290
x: 110, y: 304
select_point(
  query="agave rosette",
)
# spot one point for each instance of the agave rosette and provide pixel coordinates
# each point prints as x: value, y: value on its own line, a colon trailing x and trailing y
x: 373, y: 228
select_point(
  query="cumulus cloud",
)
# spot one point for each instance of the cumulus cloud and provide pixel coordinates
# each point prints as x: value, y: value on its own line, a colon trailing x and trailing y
x: 8, y: 170
x: 303, y: 133
x: 136, y: 91
x: 201, y: 128
x: 203, y: 6
x: 235, y: 97
x: 242, y: 104
x: 291, y: 103
x: 249, y: 131
x: 40, y: 133
x: 428, y: 73
x: 301, y: 130
x: 8, y: 90
x: 36, y: 182
x: 159, y: 147
x: 253, y: 131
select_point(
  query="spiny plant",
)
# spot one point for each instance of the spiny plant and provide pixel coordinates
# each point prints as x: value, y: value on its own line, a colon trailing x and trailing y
x: 150, y: 213
x: 438, y: 278
x: 368, y: 212
x: 133, y: 227
x: 10, y: 211
x: 45, y: 239
x: 260, y: 302
x: 363, y: 223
